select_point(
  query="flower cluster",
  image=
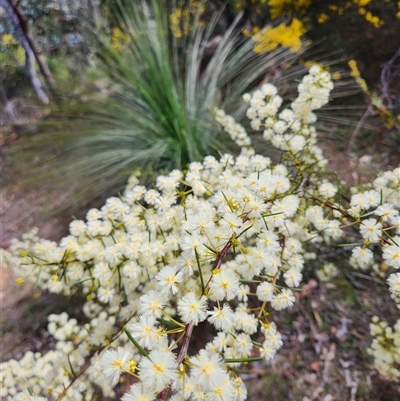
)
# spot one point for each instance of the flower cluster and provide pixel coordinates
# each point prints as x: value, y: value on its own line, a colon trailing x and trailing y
x: 314, y: 93
x: 286, y: 35
x: 377, y: 209
x: 290, y: 130
x: 222, y: 245
x: 385, y: 347
x: 182, y: 20
x: 289, y: 8
x: 327, y: 272
x: 362, y: 10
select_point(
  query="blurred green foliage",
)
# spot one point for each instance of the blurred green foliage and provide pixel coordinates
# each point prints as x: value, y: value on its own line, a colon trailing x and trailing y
x: 58, y: 26
x: 12, y: 59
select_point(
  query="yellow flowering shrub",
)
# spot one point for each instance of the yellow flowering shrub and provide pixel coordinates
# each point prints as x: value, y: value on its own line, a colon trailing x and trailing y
x: 284, y: 35
x: 293, y: 8
x: 322, y: 18
x: 288, y: 8
x: 287, y: 34
x: 181, y: 20
x: 11, y: 52
x: 362, y: 10
x: 119, y: 39
x: 368, y: 16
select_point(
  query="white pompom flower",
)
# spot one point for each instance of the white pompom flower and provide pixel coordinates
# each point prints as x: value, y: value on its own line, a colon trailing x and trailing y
x: 158, y: 369
x: 192, y: 309
x: 113, y: 363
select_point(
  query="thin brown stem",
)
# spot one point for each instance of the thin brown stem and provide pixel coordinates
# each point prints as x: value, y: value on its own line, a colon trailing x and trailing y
x: 73, y: 380
x: 189, y: 328
x: 218, y: 263
x: 333, y: 207
x: 181, y: 357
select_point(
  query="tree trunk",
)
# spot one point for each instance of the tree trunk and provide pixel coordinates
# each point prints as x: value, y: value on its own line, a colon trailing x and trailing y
x: 21, y: 27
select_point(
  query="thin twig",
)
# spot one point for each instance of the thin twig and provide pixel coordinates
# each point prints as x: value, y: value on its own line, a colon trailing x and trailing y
x: 73, y: 380
x: 366, y: 277
x: 181, y: 357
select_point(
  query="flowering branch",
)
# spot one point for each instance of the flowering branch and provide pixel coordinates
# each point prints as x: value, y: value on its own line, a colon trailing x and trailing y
x: 135, y: 259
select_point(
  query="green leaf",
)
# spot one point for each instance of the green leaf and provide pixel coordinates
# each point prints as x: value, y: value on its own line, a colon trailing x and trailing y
x: 200, y: 272
x: 243, y: 360
x: 135, y: 343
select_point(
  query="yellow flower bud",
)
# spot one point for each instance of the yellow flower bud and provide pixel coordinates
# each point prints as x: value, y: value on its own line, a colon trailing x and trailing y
x: 132, y: 365
x: 235, y: 242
